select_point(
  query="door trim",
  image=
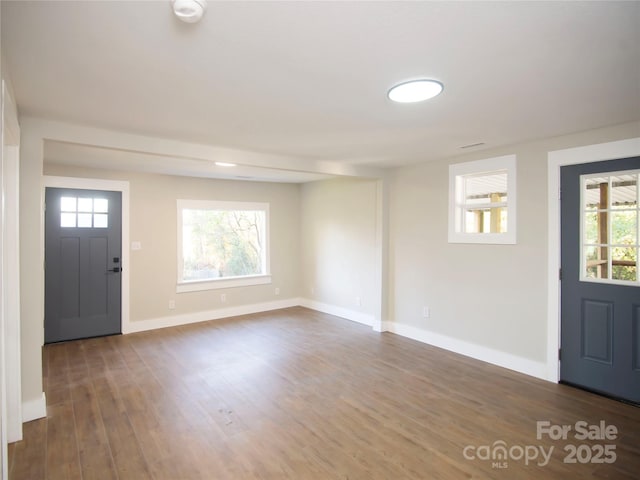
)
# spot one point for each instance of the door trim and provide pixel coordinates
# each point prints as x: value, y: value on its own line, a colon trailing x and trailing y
x: 109, y: 185
x: 555, y: 160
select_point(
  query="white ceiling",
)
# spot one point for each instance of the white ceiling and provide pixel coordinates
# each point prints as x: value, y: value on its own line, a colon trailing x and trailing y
x: 309, y: 79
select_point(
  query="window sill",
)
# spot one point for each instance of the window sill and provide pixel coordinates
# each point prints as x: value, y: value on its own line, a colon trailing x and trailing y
x: 202, y: 285
x: 479, y: 238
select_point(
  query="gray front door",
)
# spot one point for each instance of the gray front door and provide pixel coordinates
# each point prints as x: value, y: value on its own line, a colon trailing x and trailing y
x: 82, y: 264
x: 600, y: 288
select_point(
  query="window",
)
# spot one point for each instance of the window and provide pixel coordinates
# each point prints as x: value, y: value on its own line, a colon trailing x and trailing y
x: 83, y: 212
x: 609, y: 227
x: 222, y: 244
x: 482, y: 201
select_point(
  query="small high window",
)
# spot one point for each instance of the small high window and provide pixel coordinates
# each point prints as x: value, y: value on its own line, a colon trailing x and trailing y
x: 482, y: 201
x: 84, y: 212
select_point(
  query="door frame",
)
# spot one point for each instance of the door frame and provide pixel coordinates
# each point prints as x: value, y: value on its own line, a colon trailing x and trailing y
x: 78, y: 183
x: 555, y: 160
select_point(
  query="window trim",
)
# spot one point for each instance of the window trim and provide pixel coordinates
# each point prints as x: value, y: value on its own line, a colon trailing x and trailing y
x: 183, y: 285
x: 480, y: 167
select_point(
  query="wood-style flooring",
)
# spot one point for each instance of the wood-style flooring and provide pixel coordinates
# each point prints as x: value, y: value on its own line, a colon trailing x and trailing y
x: 296, y: 394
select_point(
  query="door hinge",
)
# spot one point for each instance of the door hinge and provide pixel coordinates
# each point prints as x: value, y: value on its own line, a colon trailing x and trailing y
x: 560, y: 274
x: 559, y: 354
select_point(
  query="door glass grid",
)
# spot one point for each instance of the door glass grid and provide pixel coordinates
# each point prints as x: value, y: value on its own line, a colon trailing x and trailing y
x: 84, y: 212
x: 609, y: 227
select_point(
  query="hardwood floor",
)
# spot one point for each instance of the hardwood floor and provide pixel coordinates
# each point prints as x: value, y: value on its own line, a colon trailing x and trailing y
x: 295, y: 394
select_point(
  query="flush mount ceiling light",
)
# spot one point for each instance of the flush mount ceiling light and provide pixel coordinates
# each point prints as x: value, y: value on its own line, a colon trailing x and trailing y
x: 189, y: 11
x: 415, y: 91
x: 225, y: 164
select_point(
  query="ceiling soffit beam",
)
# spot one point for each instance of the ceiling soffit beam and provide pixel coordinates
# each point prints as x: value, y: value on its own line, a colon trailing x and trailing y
x: 164, y: 147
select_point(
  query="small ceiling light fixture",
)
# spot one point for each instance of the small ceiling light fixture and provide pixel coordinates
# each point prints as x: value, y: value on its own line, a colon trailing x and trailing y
x: 189, y: 11
x: 225, y: 164
x: 415, y: 91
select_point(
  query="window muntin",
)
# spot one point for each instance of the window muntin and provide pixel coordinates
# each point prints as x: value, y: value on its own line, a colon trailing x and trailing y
x: 84, y: 212
x: 609, y: 227
x: 482, y: 201
x: 222, y: 244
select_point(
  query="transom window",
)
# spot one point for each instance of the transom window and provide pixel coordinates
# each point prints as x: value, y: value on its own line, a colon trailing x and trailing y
x: 482, y: 201
x: 84, y: 212
x: 609, y: 226
x: 222, y: 244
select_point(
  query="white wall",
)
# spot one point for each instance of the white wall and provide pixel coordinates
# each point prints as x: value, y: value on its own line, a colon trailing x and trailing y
x: 11, y: 278
x: 338, y: 236
x: 486, y: 301
x: 31, y: 274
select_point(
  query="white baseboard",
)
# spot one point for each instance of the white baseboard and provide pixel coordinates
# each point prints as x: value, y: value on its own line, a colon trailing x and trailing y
x: 354, y: 316
x: 478, y: 352
x: 175, y: 320
x: 34, y: 409
x: 14, y: 429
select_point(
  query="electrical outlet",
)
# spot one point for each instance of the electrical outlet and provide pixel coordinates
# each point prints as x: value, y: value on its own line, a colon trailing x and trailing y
x: 277, y: 291
x: 358, y: 302
x: 172, y: 304
x: 426, y: 312
x: 223, y: 297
